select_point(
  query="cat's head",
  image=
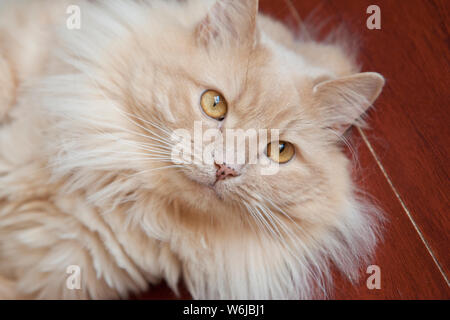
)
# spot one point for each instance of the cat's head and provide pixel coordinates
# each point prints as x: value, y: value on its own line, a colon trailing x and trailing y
x: 216, y: 65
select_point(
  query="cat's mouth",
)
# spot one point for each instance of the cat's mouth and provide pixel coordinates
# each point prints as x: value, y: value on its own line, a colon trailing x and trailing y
x: 217, y: 183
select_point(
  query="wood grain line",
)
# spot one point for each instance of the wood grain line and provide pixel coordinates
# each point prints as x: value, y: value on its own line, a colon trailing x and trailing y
x: 402, y: 203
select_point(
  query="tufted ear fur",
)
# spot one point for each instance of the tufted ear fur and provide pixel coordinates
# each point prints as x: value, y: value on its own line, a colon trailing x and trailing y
x: 344, y: 100
x: 229, y: 22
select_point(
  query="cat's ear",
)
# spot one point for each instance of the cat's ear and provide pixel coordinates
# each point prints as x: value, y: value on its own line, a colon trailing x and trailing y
x: 229, y: 22
x: 341, y: 102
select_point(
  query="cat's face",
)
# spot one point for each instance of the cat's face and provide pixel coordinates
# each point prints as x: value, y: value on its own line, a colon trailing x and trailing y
x: 232, y: 77
x: 226, y: 74
x: 257, y: 91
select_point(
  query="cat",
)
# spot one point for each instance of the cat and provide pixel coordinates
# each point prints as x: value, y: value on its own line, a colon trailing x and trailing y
x: 87, y: 177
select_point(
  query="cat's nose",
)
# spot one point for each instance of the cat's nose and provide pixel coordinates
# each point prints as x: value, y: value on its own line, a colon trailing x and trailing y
x: 223, y: 172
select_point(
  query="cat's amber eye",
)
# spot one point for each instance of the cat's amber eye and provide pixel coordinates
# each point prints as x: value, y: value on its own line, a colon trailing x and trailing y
x: 281, y: 153
x: 214, y: 104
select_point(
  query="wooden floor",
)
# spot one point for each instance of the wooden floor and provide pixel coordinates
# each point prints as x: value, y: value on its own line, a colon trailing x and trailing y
x: 404, y: 155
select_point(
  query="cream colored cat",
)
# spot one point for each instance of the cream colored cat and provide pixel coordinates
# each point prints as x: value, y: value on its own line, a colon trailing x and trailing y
x: 86, y: 177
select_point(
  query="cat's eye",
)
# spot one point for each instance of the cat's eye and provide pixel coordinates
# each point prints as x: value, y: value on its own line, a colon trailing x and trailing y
x: 281, y: 153
x: 214, y: 105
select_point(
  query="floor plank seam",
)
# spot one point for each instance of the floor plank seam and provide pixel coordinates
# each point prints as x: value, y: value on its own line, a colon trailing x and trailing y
x: 405, y: 208
x: 294, y: 11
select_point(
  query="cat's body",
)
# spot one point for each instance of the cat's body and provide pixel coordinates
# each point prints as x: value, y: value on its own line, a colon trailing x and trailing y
x: 77, y: 189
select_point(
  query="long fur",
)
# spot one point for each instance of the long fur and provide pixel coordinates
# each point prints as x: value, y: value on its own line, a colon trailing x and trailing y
x: 86, y: 177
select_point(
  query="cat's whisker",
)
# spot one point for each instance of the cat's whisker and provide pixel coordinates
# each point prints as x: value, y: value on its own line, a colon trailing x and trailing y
x: 268, y: 212
x: 347, y: 143
x: 150, y: 137
x: 128, y: 116
x: 156, y: 159
x: 196, y: 158
x: 154, y: 169
x: 137, y: 144
x: 272, y: 203
x: 259, y: 219
x: 252, y: 218
x: 166, y: 131
x: 129, y: 153
x: 93, y: 158
x: 122, y: 130
x: 268, y: 217
x: 276, y: 232
x: 158, y: 137
x: 296, y: 240
x: 263, y: 219
x: 151, y: 147
x: 288, y: 217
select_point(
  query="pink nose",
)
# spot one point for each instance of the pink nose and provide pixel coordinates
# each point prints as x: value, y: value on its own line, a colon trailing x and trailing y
x: 224, y: 172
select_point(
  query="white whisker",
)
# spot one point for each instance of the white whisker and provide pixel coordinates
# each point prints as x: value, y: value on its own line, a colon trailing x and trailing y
x: 155, y: 169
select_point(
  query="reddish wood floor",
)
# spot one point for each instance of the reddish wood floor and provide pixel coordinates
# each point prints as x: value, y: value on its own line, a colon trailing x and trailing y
x: 404, y: 155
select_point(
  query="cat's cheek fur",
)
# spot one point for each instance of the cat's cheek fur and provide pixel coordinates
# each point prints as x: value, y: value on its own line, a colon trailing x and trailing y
x: 250, y: 266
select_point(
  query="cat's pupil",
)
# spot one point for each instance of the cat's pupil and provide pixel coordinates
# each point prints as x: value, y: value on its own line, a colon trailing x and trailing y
x: 281, y: 147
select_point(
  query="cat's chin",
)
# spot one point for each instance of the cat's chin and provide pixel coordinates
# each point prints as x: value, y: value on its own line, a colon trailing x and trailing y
x: 210, y: 187
x: 202, y: 182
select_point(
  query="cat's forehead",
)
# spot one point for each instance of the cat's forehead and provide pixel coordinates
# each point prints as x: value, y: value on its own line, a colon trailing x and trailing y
x: 264, y: 103
x: 264, y: 93
x: 264, y: 86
